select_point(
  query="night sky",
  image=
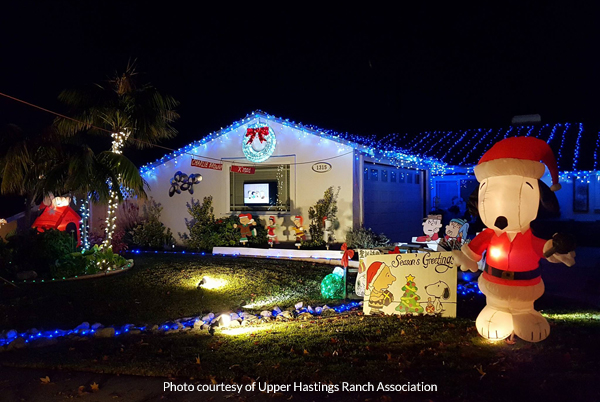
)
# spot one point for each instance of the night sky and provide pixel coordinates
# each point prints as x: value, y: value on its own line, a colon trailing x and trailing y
x: 363, y: 71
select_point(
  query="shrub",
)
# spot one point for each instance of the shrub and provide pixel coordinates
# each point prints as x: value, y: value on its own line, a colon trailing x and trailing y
x: 326, y: 207
x: 151, y: 231
x: 365, y: 238
x: 38, y: 251
x: 90, y: 262
x: 206, y: 232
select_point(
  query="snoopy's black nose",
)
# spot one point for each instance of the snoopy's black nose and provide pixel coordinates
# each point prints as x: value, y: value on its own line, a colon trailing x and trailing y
x: 501, y: 222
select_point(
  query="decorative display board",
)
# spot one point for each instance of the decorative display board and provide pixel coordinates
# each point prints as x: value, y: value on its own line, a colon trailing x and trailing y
x: 417, y: 283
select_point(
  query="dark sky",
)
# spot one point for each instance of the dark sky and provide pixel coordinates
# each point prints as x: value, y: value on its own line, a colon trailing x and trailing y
x: 363, y: 71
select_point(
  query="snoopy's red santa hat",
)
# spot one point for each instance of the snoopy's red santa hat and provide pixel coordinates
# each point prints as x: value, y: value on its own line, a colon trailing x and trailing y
x: 520, y: 156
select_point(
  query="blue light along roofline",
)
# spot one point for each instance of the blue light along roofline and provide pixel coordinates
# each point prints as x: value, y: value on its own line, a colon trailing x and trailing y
x: 361, y: 144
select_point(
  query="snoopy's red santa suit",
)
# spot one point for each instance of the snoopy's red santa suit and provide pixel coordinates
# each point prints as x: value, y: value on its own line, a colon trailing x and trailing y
x: 509, y: 197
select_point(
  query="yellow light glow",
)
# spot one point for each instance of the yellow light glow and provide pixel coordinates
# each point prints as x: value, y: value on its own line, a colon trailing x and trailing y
x: 212, y: 283
x: 495, y: 252
x: 244, y: 330
x: 225, y: 320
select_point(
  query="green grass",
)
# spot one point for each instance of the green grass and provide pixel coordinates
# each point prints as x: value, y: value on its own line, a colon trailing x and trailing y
x: 160, y: 288
x: 338, y: 348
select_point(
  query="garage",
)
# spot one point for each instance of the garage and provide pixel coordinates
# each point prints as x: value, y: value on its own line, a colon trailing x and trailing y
x: 394, y: 201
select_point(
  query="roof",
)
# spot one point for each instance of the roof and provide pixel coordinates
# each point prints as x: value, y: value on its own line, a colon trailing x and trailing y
x: 576, y: 148
x: 391, y: 153
x: 442, y: 152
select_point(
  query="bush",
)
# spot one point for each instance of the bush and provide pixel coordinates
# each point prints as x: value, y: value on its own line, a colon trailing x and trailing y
x: 151, y: 231
x: 365, y: 238
x: 206, y: 232
x: 90, y: 262
x: 39, y: 251
x: 326, y: 207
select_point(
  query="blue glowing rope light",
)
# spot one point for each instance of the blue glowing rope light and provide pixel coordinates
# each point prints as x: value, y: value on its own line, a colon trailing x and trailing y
x: 576, y: 153
x: 529, y: 131
x: 596, y: 151
x: 474, y: 147
x: 562, y: 143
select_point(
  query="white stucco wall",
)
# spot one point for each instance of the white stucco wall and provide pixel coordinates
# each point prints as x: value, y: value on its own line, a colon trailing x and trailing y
x: 294, y: 147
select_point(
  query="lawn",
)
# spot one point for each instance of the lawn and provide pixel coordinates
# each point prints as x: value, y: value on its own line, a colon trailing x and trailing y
x: 332, y: 348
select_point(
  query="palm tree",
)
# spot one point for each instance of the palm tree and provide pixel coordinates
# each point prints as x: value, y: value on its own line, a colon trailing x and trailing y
x: 23, y: 161
x: 87, y: 175
x: 134, y: 114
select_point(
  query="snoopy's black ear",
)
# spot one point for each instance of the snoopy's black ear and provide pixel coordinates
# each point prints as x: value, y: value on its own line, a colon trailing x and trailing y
x: 446, y: 294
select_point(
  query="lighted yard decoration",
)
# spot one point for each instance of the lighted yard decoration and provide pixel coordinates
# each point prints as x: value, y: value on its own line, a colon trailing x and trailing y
x: 411, y: 283
x: 299, y: 230
x: 57, y: 214
x: 245, y: 230
x: 332, y: 286
x: 431, y: 226
x: 271, y: 236
x: 510, y: 195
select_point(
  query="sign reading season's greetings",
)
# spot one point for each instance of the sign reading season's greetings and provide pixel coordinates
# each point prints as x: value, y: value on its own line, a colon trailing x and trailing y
x: 207, y: 165
x: 242, y: 169
x: 321, y: 167
x: 415, y: 283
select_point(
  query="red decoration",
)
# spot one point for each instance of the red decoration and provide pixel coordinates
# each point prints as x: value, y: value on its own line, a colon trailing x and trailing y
x: 243, y: 169
x: 261, y: 132
x: 395, y: 251
x: 207, y: 165
x: 348, y: 254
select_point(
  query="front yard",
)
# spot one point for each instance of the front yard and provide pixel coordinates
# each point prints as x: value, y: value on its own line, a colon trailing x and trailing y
x: 330, y: 348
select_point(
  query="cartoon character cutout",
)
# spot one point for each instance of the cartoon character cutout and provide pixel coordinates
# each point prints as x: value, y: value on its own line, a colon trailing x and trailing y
x: 431, y: 226
x: 457, y: 229
x: 509, y: 197
x: 245, y: 230
x: 271, y: 236
x: 440, y: 291
x: 299, y: 231
x: 379, y: 279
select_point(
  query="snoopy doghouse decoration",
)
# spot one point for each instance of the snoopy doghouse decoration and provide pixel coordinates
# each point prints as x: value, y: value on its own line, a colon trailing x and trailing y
x: 57, y: 214
x: 410, y: 283
x: 510, y: 196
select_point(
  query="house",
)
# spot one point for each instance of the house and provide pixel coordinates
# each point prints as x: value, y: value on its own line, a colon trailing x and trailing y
x: 576, y: 150
x: 269, y: 166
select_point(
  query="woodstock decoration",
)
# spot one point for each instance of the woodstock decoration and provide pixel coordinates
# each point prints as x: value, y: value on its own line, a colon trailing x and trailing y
x: 510, y: 196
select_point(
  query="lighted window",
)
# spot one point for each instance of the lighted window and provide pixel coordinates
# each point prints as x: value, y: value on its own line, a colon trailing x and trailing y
x: 268, y: 189
x: 374, y: 174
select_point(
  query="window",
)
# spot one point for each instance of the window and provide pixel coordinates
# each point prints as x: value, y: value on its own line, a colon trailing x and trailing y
x: 374, y: 174
x: 384, y: 175
x: 417, y: 177
x: 273, y: 184
x: 402, y: 175
x: 409, y: 177
x: 393, y: 176
x: 366, y: 174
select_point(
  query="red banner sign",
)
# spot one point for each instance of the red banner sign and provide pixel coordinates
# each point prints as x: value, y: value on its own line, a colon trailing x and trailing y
x: 207, y: 165
x: 242, y: 169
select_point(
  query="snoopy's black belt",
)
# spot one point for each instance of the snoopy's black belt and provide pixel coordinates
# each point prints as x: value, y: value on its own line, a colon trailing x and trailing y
x: 512, y: 275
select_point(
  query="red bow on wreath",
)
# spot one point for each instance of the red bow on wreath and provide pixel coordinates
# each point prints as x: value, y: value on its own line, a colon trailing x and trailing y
x: 261, y: 132
x: 348, y: 254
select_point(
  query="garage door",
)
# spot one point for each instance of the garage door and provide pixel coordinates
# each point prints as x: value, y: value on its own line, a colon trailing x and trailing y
x: 393, y: 201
